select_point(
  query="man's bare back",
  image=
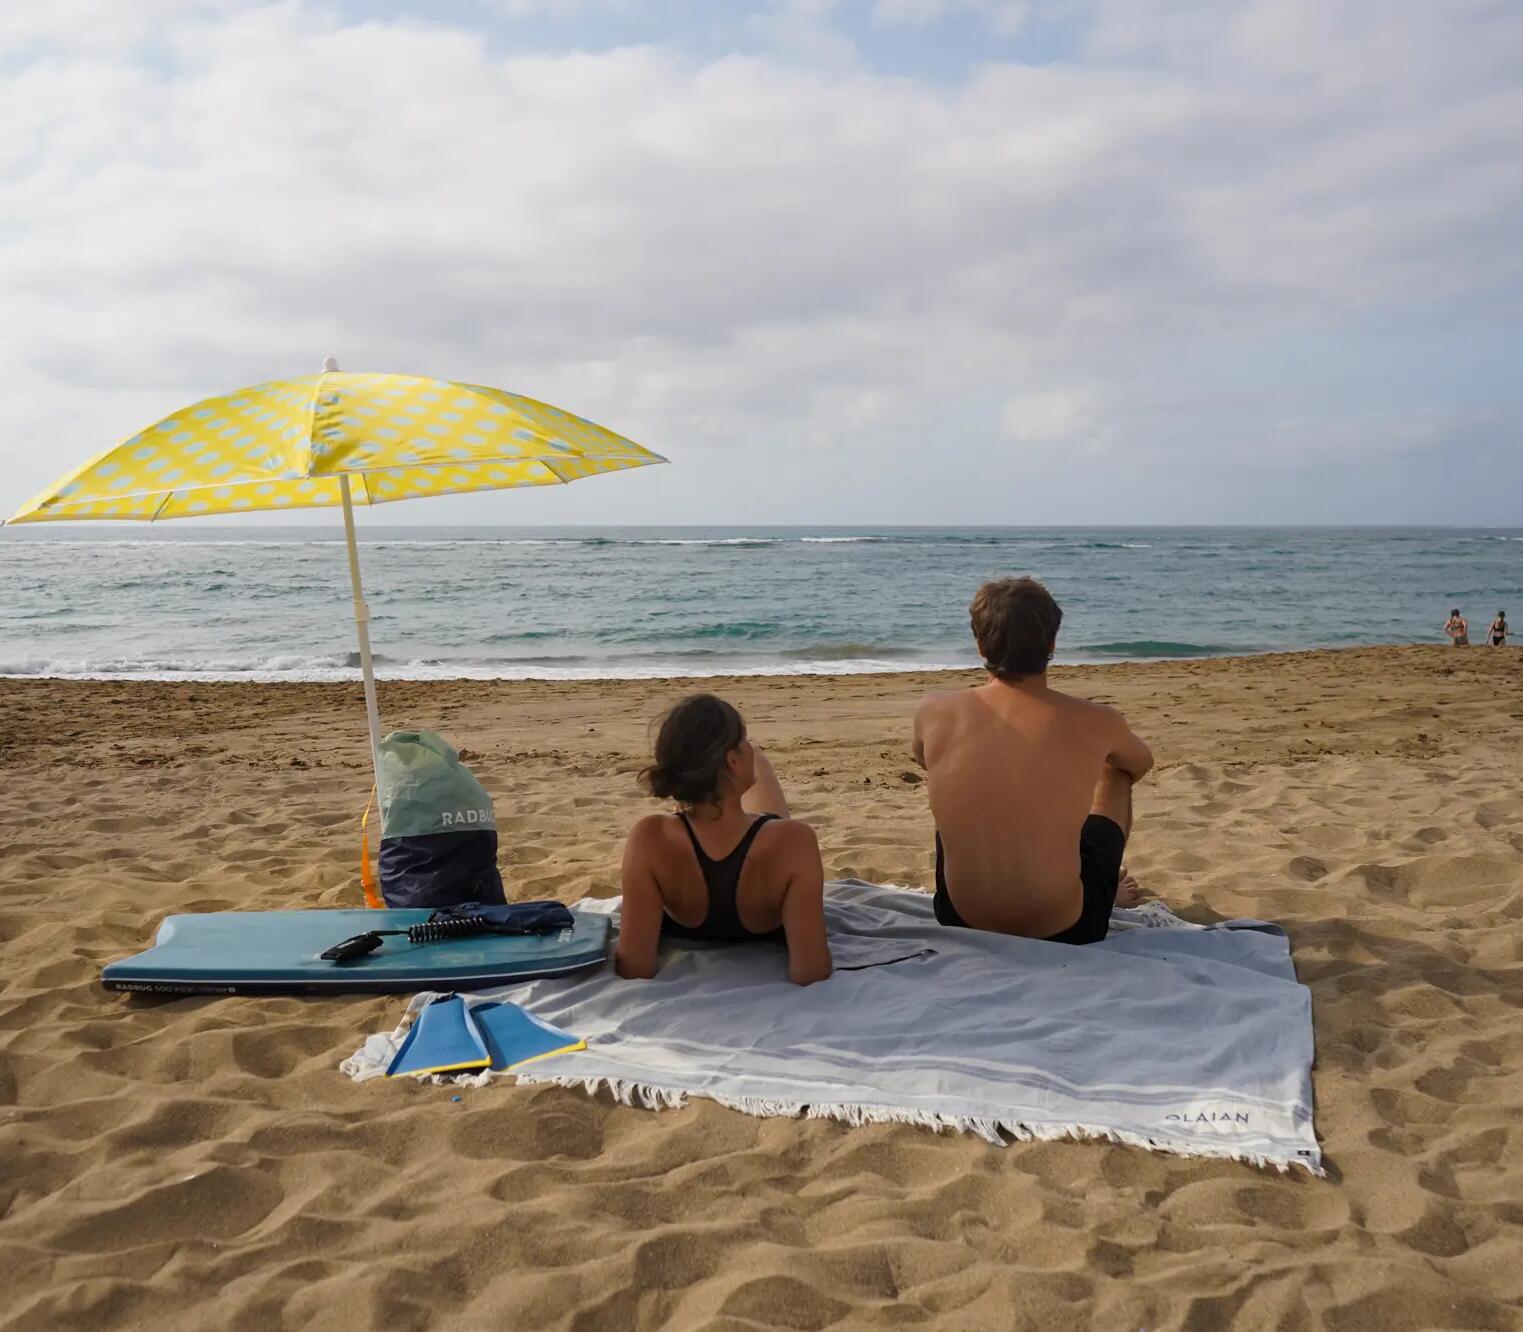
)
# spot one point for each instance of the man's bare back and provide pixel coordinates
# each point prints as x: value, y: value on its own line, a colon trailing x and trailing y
x: 1015, y: 768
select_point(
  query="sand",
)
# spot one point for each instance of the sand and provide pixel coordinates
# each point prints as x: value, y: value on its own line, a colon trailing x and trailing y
x: 199, y: 1163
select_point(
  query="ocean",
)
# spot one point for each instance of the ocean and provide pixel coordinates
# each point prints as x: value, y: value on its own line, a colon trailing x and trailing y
x: 261, y: 603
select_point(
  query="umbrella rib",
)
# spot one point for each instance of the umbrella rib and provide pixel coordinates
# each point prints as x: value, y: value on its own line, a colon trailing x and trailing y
x: 476, y: 490
x: 496, y: 460
x: 546, y: 460
x: 317, y: 388
x: 361, y: 473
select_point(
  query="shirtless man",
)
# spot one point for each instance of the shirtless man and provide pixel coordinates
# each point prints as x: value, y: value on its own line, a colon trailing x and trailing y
x: 1031, y: 789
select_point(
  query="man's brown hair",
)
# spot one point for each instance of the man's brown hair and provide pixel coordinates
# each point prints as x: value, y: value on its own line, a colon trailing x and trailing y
x: 1015, y: 622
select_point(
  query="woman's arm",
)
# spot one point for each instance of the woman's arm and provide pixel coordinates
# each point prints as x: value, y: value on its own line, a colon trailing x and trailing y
x: 634, y: 957
x: 804, y: 907
x: 766, y: 793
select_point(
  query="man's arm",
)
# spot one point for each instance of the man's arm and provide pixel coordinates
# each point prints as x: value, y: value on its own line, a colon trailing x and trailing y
x: 917, y: 743
x: 1128, y: 752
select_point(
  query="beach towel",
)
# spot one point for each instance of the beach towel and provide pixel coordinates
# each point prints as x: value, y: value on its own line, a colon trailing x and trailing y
x: 1183, y: 1038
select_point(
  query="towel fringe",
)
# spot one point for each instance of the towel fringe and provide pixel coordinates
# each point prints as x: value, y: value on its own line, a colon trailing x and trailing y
x: 996, y: 1132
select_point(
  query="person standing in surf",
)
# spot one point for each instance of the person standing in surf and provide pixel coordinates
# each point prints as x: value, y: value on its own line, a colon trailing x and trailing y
x: 1457, y: 629
x: 1031, y: 789
x: 1497, y: 634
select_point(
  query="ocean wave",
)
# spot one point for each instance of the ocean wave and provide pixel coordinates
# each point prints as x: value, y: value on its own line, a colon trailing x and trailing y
x: 838, y: 540
x: 171, y: 668
x: 696, y: 541
x: 40, y: 543
x: 742, y: 629
x: 47, y: 541
x: 846, y: 652
x: 1161, y: 647
x: 333, y: 669
x: 385, y: 543
x: 520, y: 636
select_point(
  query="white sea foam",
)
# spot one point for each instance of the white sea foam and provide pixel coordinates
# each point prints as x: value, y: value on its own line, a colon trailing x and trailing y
x: 384, y: 543
x: 295, y: 669
x: 51, y: 542
x: 691, y: 541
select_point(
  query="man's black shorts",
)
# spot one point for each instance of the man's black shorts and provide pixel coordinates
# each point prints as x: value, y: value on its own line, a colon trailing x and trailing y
x: 1101, y: 845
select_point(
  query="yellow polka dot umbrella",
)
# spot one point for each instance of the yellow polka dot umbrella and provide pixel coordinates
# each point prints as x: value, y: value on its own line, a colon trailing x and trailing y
x: 335, y: 439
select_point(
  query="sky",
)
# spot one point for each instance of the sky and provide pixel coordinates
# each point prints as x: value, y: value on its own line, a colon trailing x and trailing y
x: 841, y: 261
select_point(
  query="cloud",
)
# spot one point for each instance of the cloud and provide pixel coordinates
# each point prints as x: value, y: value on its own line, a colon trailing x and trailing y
x: 1006, y: 17
x: 767, y: 267
x: 555, y: 8
x: 1053, y: 416
x: 83, y: 25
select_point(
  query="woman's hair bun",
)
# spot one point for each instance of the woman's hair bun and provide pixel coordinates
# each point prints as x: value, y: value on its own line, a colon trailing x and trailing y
x: 692, y: 743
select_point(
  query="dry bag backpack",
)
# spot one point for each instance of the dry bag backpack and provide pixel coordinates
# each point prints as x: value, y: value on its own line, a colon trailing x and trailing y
x: 438, y: 833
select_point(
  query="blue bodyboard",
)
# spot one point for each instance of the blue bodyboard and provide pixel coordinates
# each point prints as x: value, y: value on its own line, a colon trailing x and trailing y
x: 277, y: 952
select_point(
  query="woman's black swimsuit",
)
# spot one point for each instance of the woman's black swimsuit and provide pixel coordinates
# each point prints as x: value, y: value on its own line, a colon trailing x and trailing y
x: 722, y: 878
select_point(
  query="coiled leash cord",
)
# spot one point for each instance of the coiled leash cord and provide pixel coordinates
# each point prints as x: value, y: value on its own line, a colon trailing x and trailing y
x: 461, y: 921
x: 445, y: 927
x: 430, y: 931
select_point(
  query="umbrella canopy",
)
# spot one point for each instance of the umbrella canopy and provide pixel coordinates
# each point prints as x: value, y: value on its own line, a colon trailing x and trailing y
x: 286, y: 445
x: 335, y: 439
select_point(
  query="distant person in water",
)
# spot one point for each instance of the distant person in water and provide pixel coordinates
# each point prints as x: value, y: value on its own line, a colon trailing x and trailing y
x: 728, y: 865
x: 1457, y: 629
x: 1497, y: 634
x: 1031, y: 789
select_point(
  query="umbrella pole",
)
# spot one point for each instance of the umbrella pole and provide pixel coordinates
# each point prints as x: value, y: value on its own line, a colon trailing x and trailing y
x: 362, y: 631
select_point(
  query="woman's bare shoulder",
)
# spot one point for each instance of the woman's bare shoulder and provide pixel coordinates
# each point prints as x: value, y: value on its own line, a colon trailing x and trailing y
x: 788, y: 837
x: 653, y: 829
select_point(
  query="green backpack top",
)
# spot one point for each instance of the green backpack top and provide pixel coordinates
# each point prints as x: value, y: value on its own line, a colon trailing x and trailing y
x: 425, y: 788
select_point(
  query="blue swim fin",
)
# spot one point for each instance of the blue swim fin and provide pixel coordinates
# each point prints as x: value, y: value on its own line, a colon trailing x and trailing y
x: 514, y: 1037
x: 443, y: 1039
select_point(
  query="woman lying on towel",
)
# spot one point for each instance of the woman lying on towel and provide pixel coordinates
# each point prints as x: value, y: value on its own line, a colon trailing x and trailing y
x: 729, y: 865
